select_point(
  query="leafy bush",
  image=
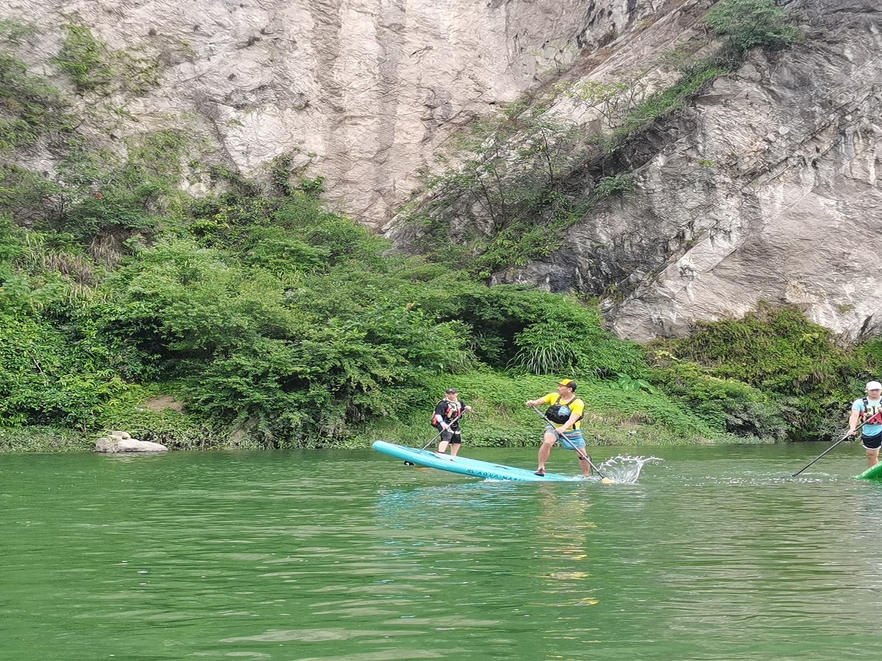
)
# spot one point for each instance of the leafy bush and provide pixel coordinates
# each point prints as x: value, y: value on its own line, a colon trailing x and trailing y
x: 48, y: 379
x: 725, y: 404
x: 299, y: 349
x: 778, y: 351
x: 618, y: 184
x: 528, y: 330
x: 870, y: 353
x: 102, y: 193
x: 572, y: 338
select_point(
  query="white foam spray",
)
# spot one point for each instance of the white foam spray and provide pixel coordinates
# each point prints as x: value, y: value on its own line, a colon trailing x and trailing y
x: 625, y: 469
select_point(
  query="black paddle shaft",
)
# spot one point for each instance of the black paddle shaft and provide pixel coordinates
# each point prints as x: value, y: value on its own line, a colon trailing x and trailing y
x: 844, y: 438
x: 436, y: 436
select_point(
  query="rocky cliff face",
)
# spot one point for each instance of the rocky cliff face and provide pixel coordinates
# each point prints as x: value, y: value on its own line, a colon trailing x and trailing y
x: 765, y: 189
x: 362, y: 90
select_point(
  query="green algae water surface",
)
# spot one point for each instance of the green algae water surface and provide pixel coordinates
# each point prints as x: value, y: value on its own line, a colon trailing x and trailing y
x: 715, y: 554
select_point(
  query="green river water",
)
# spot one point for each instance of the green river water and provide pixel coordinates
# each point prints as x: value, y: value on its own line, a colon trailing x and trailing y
x: 716, y: 553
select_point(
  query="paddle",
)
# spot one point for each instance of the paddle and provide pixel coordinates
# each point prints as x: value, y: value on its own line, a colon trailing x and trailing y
x: 438, y: 435
x: 461, y: 413
x: 844, y: 438
x: 581, y: 454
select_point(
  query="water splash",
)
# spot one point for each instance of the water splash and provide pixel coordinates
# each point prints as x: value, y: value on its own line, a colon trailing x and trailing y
x: 625, y: 468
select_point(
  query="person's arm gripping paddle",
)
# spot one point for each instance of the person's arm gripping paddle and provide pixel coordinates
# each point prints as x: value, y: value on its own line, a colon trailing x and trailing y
x: 559, y: 432
x: 444, y: 427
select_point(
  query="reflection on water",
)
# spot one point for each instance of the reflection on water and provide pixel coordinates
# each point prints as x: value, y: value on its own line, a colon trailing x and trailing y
x: 715, y: 553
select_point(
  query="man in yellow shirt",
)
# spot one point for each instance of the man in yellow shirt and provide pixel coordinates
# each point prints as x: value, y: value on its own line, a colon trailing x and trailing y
x: 565, y: 410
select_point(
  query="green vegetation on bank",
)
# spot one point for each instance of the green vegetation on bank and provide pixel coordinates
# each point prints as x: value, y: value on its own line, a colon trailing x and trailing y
x: 801, y: 369
x: 274, y: 317
x: 278, y: 324
x: 255, y: 318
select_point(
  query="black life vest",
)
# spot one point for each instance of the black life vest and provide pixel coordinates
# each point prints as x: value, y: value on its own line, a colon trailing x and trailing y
x: 560, y: 413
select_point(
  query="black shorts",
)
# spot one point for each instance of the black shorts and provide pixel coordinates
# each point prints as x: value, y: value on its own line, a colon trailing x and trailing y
x: 873, y: 442
x: 453, y: 437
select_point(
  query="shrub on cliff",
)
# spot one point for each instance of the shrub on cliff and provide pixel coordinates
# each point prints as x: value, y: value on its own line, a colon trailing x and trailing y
x: 750, y: 24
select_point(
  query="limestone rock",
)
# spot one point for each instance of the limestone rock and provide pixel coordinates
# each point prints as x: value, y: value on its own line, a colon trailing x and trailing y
x: 766, y: 190
x: 120, y: 441
x: 369, y: 89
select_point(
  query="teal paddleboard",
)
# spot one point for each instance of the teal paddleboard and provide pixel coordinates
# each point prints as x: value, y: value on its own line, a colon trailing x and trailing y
x: 465, y: 466
x: 874, y: 473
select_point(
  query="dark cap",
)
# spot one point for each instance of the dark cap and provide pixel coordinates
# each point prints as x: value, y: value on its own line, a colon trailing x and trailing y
x: 569, y: 383
x: 452, y: 391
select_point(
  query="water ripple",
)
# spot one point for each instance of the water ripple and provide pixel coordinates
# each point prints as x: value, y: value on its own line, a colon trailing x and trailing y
x: 714, y: 554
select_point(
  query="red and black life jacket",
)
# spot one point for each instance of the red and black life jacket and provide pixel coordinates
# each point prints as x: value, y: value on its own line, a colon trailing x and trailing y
x: 871, y: 415
x: 450, y: 414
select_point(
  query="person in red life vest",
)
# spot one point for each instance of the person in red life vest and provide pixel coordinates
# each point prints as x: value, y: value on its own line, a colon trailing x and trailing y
x: 446, y: 418
x: 868, y: 410
x: 565, y: 410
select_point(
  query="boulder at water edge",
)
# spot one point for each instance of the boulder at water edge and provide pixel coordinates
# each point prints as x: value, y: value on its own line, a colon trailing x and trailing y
x: 120, y: 441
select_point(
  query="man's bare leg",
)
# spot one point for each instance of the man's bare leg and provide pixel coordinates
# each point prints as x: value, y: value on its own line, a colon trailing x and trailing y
x: 548, y: 442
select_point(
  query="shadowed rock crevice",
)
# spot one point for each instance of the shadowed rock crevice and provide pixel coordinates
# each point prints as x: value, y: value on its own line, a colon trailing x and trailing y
x: 765, y: 190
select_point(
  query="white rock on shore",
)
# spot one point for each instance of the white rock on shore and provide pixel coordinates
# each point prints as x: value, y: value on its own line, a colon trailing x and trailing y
x: 120, y: 441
